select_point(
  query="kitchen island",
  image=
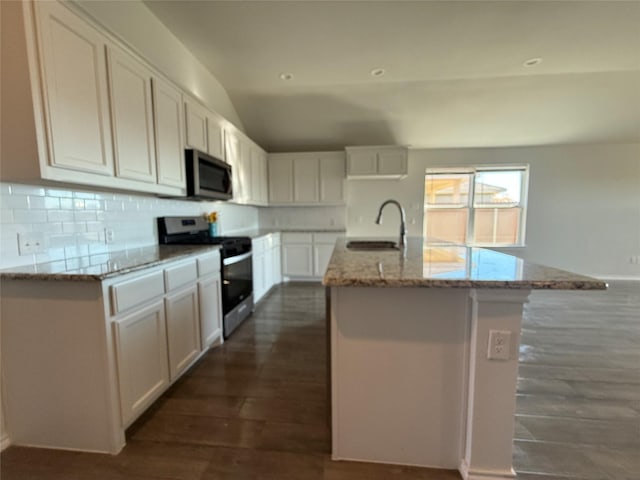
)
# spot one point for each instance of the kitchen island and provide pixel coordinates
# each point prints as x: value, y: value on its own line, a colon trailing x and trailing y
x: 424, y: 353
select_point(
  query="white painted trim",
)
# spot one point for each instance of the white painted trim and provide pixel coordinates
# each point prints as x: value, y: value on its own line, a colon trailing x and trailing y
x: 478, y: 474
x: 635, y: 278
x: 5, y: 441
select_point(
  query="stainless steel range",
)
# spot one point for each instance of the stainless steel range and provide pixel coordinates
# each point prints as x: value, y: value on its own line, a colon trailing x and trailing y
x: 235, y: 253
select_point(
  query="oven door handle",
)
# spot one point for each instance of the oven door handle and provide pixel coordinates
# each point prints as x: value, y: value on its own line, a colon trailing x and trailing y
x: 236, y: 258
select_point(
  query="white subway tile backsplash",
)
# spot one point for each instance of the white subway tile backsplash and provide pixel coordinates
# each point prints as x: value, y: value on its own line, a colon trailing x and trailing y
x: 93, y: 204
x: 72, y: 227
x: 16, y: 201
x: 29, y: 216
x: 19, y: 189
x: 6, y: 216
x: 60, y: 216
x: 54, y: 192
x: 84, y: 195
x: 74, y: 221
x: 36, y: 203
x: 84, y: 215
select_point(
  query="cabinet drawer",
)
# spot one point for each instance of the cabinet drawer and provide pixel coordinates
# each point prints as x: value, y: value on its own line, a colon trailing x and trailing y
x: 208, y: 264
x: 179, y: 275
x: 130, y: 293
x: 290, y: 237
x: 328, y: 238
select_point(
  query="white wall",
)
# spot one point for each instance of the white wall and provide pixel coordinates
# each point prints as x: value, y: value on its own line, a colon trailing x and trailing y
x: 584, y: 203
x: 73, y: 221
x: 134, y: 23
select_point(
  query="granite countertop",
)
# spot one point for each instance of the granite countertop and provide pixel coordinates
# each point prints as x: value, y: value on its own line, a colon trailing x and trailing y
x: 446, y: 266
x: 105, y: 265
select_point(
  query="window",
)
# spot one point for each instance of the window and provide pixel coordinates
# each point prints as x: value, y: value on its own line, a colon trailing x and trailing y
x: 482, y: 206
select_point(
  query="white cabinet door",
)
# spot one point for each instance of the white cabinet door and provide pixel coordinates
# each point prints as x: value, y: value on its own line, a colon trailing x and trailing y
x: 332, y: 176
x: 143, y: 371
x: 259, y: 275
x: 183, y: 329
x: 280, y: 169
x: 321, y: 256
x: 297, y: 260
x: 210, y: 305
x: 215, y: 136
x: 392, y: 162
x: 169, y: 125
x: 363, y: 163
x: 258, y: 172
x: 75, y: 89
x: 236, y: 155
x: 196, y: 125
x: 388, y: 161
x: 305, y: 179
x: 132, y: 117
x: 276, y: 265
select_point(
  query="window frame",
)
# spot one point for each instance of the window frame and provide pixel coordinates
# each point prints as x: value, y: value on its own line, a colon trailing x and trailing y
x: 471, y: 206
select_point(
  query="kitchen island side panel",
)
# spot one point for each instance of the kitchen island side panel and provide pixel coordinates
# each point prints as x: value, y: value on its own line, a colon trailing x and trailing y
x: 58, y: 371
x: 399, y: 374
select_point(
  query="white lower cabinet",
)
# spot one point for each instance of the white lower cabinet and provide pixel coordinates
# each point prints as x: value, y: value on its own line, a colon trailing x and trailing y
x: 164, y: 319
x: 266, y: 264
x: 297, y: 260
x: 183, y: 329
x: 141, y: 348
x: 305, y: 256
x: 210, y: 305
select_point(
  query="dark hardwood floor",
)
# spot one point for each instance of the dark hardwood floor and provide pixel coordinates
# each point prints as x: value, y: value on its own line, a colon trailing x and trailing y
x: 256, y: 408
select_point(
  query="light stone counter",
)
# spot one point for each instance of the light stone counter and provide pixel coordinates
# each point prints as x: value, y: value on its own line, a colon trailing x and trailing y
x: 105, y: 265
x: 446, y: 266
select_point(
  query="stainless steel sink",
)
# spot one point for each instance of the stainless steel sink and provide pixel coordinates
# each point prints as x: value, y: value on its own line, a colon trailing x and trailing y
x: 372, y: 245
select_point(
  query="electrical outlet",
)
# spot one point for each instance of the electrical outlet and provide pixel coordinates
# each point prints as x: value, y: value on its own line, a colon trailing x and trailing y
x: 31, y: 242
x: 499, y: 345
x: 108, y: 235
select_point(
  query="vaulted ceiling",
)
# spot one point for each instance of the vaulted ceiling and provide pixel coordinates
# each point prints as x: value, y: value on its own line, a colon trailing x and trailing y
x: 454, y: 70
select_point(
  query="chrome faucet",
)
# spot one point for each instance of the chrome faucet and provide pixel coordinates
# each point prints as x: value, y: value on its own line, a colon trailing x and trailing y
x: 403, y: 221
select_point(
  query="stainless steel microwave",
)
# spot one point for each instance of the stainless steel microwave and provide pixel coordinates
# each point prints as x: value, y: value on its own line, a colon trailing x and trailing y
x: 208, y: 178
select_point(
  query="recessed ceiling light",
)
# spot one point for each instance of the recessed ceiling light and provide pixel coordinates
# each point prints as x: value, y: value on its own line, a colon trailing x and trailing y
x: 286, y: 76
x: 377, y: 72
x: 532, y: 62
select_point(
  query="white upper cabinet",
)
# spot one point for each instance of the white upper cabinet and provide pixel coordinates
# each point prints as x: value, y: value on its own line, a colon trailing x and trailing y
x: 204, y: 129
x: 306, y: 178
x: 332, y: 173
x: 249, y: 169
x: 132, y: 117
x: 280, y: 168
x: 169, y: 125
x: 73, y: 66
x: 259, y: 194
x: 215, y: 136
x: 377, y: 162
x: 196, y: 125
x: 85, y: 109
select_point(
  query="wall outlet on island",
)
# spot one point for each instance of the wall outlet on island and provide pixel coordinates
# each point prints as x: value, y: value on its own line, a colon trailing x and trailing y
x: 499, y: 345
x: 109, y: 236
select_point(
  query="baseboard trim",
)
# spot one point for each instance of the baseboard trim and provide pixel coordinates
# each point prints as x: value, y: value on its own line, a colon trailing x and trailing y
x: 5, y: 441
x: 469, y: 473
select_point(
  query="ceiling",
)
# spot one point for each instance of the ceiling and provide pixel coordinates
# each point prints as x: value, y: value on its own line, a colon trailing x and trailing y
x: 454, y: 70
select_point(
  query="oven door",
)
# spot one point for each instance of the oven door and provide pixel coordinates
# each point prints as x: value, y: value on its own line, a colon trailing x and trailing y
x: 237, y: 281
